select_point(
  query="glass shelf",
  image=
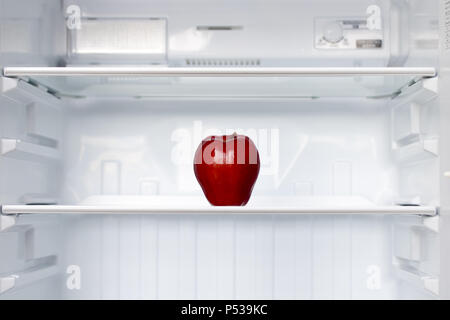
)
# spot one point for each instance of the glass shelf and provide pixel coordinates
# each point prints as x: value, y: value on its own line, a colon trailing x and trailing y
x: 123, y: 205
x: 97, y: 209
x: 245, y: 82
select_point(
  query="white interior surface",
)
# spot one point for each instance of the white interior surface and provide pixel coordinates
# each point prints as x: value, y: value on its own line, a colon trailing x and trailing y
x: 113, y: 151
x: 338, y: 160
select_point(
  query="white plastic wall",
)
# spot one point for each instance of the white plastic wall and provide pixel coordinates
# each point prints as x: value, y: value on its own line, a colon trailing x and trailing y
x: 308, y: 148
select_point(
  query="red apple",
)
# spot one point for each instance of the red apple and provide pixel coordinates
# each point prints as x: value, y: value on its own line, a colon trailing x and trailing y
x: 227, y: 168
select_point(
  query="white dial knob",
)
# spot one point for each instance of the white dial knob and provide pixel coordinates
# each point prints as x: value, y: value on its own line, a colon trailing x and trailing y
x: 333, y: 32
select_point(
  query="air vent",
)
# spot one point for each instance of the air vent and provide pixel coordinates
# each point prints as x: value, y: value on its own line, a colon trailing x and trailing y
x: 447, y: 24
x: 223, y: 62
x: 219, y: 28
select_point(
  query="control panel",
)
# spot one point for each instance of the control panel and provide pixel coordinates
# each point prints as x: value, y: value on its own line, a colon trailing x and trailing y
x: 363, y: 32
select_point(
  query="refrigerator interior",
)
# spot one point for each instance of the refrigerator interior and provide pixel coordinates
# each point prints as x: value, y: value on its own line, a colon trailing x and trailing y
x: 357, y: 156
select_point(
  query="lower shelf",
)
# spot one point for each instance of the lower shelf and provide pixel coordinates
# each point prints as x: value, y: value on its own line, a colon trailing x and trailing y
x: 122, y: 204
x: 143, y: 209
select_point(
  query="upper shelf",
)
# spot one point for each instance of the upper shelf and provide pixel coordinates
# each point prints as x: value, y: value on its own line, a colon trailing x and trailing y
x: 243, y: 82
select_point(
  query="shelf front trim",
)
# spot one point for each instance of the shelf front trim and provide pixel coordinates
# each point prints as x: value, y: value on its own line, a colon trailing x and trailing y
x: 216, y: 72
x: 117, y: 209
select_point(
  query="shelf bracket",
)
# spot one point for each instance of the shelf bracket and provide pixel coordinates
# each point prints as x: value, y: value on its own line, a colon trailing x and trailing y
x: 7, y: 283
x: 431, y: 223
x: 22, y: 150
x: 38, y: 269
x: 431, y: 84
x: 408, y: 237
x: 7, y: 84
x: 419, y: 279
x: 422, y: 90
x: 25, y: 92
x: 7, y: 222
x: 431, y: 284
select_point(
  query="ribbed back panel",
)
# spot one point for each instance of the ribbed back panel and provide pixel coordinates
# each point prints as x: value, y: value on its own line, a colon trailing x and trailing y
x: 231, y: 257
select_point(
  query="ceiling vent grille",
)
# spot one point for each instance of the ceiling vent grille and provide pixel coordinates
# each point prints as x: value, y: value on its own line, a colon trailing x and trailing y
x: 223, y: 62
